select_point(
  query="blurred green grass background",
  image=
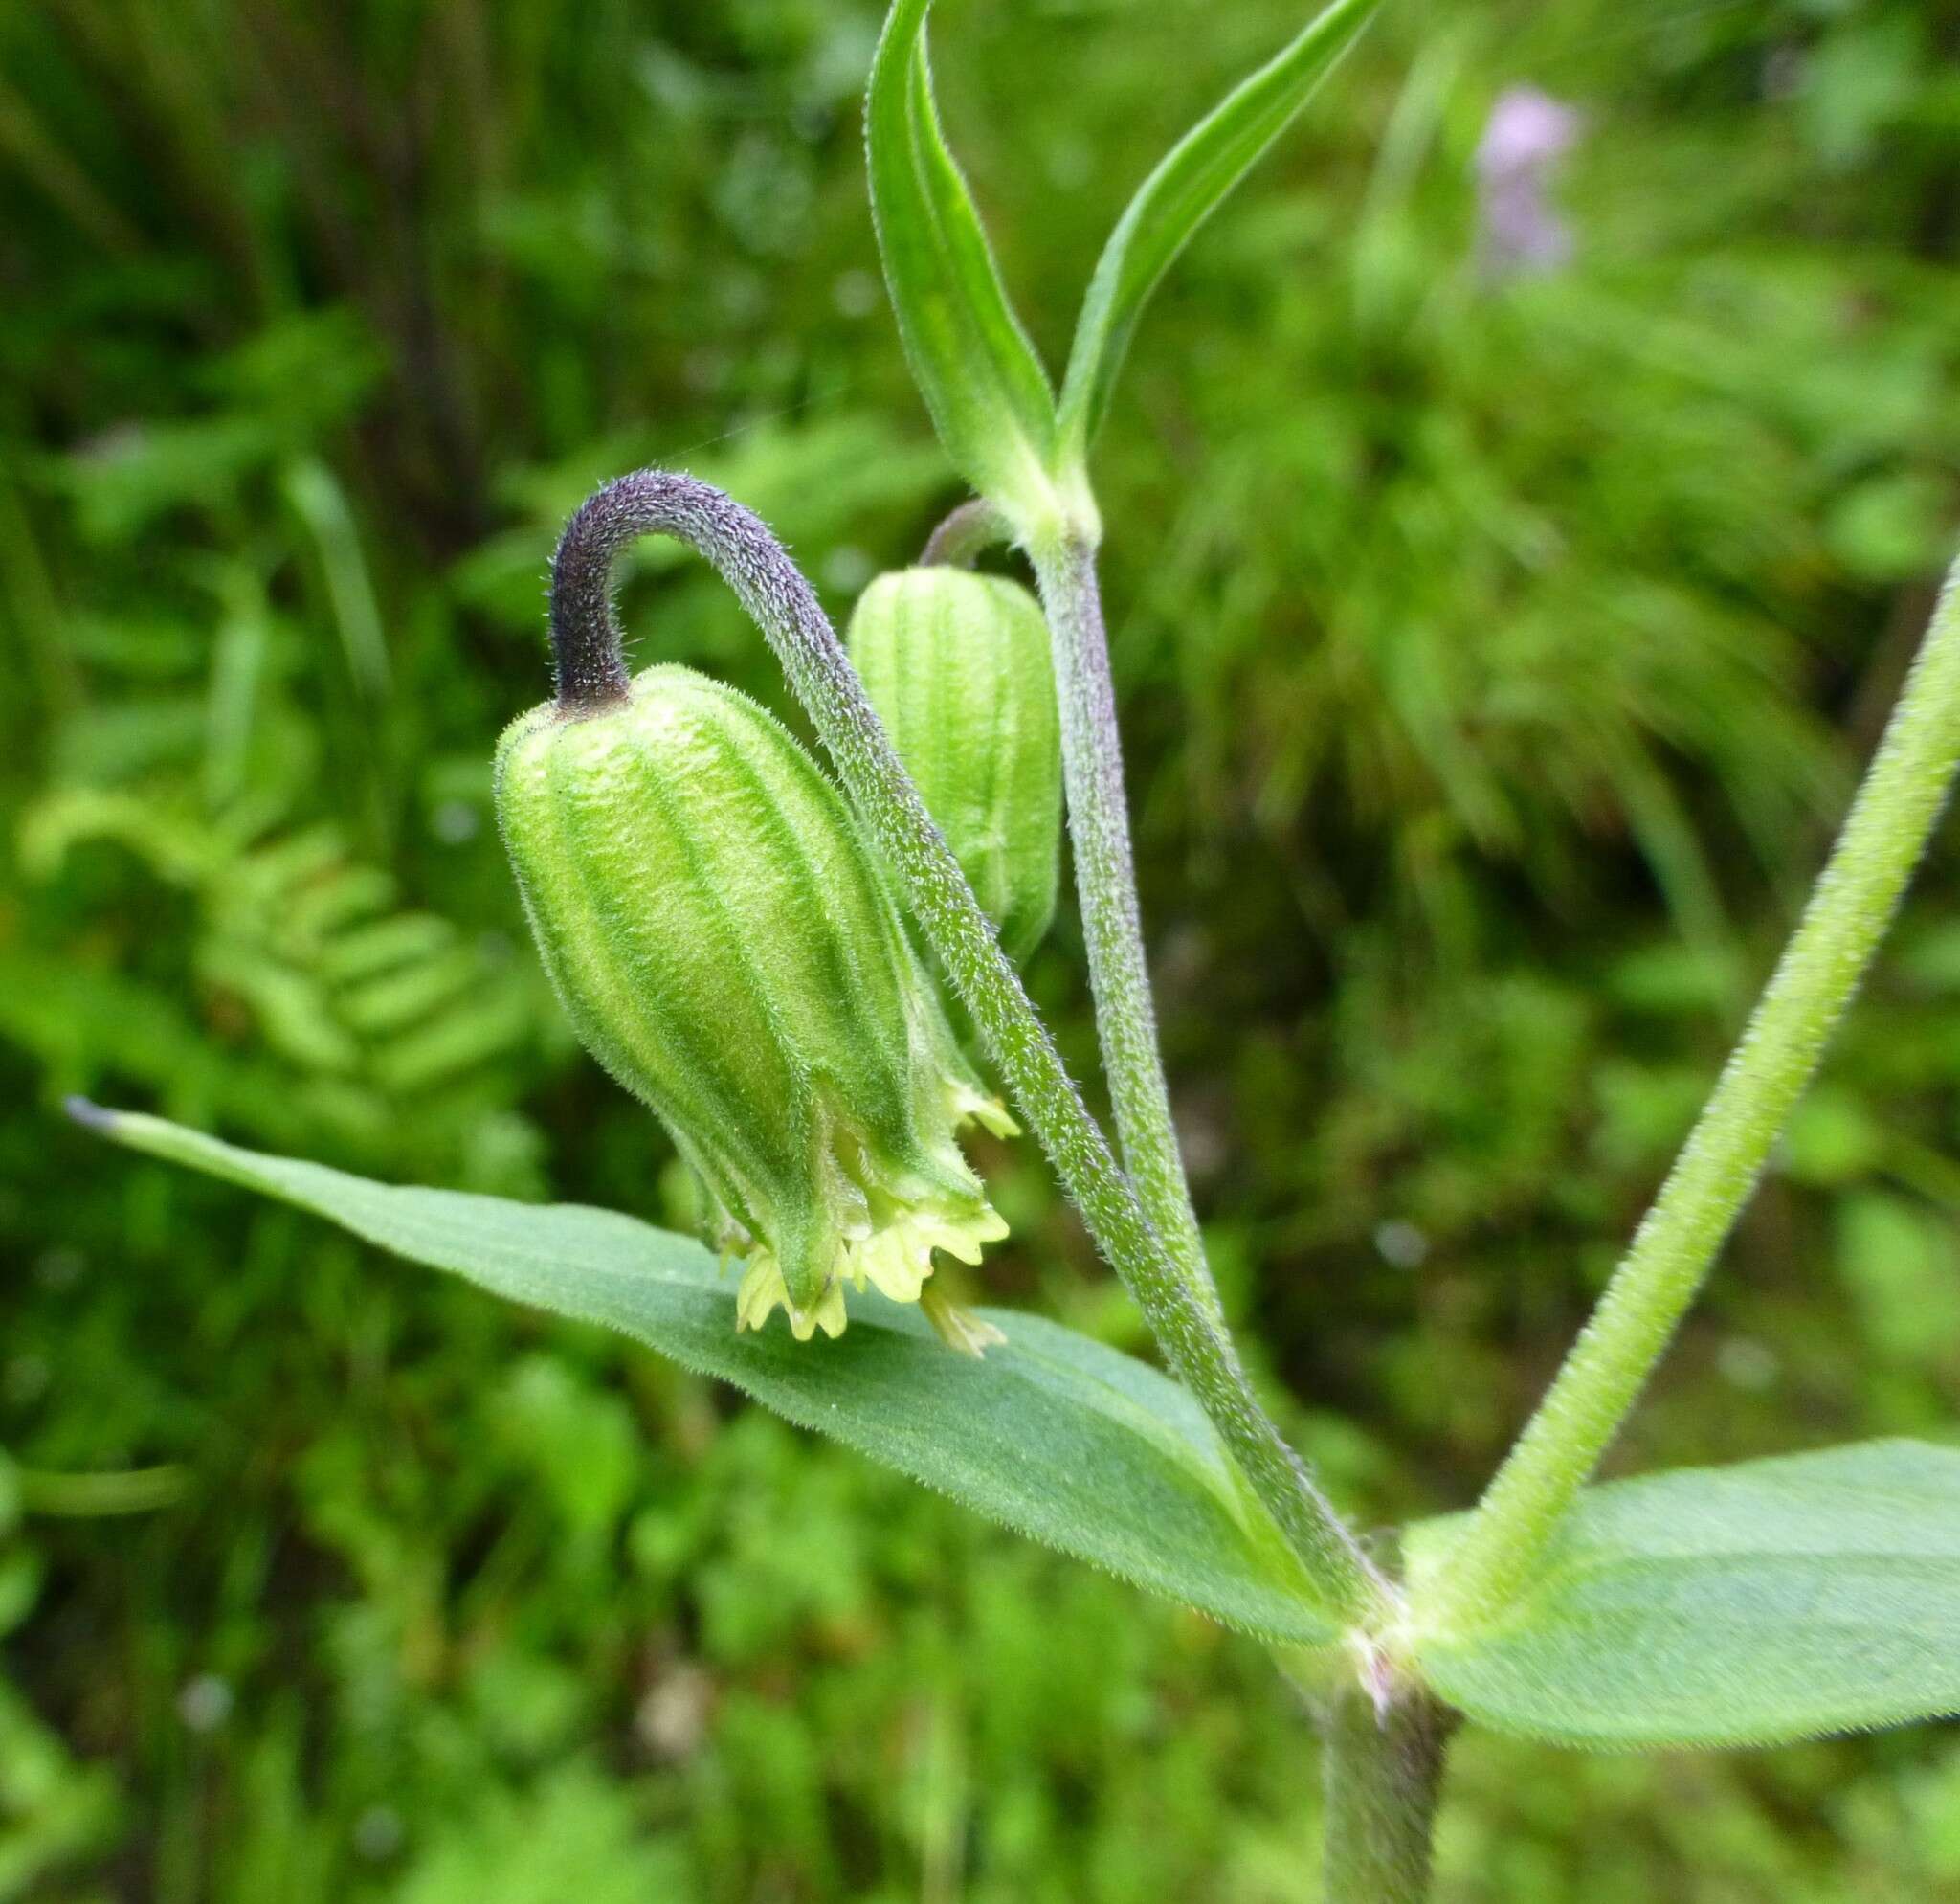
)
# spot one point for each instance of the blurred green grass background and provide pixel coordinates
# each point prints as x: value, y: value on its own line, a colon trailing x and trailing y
x: 1496, y: 659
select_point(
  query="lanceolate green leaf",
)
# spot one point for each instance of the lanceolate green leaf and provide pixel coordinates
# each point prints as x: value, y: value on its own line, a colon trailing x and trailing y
x: 988, y: 395
x: 1746, y: 1606
x: 1177, y: 198
x: 1060, y: 1437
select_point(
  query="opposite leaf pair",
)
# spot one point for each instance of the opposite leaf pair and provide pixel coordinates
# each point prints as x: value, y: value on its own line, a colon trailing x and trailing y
x: 1771, y: 1600
x: 990, y: 400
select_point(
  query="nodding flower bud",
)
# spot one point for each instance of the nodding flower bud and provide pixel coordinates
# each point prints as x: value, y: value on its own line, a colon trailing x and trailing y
x: 958, y: 667
x: 727, y: 947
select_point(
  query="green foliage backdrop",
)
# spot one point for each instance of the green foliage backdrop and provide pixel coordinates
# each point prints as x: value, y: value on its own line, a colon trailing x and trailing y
x: 1496, y: 656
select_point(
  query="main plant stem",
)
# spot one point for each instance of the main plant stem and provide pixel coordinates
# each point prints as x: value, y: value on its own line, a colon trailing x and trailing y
x: 1891, y: 820
x: 1106, y: 883
x: 1334, y: 1570
x: 1381, y: 1772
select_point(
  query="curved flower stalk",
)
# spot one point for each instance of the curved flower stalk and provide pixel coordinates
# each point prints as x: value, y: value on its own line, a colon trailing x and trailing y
x: 782, y: 604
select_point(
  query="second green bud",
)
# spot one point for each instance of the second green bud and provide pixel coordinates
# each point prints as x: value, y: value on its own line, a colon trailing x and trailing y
x: 958, y: 667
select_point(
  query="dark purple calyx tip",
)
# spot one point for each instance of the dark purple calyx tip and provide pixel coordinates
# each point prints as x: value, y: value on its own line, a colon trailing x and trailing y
x: 588, y: 659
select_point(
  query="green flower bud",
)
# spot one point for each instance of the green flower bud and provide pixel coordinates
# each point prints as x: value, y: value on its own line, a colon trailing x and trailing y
x: 727, y: 947
x: 958, y: 667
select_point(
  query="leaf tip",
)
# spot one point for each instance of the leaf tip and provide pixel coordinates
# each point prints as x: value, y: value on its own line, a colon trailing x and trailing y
x: 90, y: 1115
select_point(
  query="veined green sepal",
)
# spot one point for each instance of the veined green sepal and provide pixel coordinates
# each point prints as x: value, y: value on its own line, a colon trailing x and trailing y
x: 725, y: 946
x: 959, y: 669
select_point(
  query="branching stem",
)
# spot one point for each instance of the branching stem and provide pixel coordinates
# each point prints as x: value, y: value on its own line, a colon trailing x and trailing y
x: 1890, y: 823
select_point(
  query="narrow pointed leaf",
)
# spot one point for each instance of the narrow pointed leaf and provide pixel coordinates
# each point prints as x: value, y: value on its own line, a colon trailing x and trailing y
x: 1748, y: 1605
x: 1065, y: 1441
x: 988, y: 395
x: 1177, y: 198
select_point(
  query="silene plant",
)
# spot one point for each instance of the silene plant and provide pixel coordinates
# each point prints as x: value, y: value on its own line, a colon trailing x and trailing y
x: 754, y: 943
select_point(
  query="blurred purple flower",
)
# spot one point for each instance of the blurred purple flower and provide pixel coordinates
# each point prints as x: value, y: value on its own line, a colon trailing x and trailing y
x: 1526, y: 136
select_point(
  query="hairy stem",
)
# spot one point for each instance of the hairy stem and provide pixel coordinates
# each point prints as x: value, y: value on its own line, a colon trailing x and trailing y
x: 774, y: 593
x: 1105, y: 884
x: 1381, y: 1772
x: 1890, y: 823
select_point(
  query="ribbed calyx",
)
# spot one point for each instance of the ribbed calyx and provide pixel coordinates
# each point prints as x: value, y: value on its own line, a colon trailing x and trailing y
x: 958, y: 667
x: 725, y: 946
